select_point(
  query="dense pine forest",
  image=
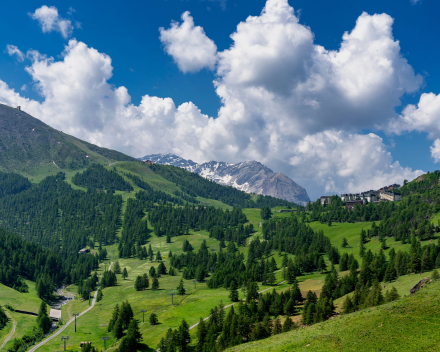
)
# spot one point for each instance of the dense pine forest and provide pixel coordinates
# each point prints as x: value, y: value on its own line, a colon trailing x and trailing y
x: 22, y: 259
x: 98, y: 177
x: 54, y: 215
x: 12, y: 184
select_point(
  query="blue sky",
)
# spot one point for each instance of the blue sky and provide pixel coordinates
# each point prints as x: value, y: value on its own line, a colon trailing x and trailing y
x: 128, y: 34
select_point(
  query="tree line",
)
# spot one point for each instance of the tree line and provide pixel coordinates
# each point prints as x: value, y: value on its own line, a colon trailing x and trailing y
x: 97, y: 176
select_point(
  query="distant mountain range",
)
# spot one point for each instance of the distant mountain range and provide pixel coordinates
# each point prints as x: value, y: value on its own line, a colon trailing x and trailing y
x: 248, y: 176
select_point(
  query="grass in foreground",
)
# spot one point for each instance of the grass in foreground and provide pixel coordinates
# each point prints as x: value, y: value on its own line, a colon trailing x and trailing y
x: 409, y: 324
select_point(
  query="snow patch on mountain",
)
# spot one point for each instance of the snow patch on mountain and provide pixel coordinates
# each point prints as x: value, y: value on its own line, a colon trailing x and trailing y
x: 248, y: 176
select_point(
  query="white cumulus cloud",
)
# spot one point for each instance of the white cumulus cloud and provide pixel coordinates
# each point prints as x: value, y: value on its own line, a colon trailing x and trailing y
x: 50, y: 20
x: 435, y: 150
x: 189, y: 46
x: 13, y: 50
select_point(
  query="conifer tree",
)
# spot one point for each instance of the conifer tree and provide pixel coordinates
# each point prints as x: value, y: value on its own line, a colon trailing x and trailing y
x: 158, y: 256
x: 133, y: 332
x: 153, y: 319
x: 184, y: 337
x: 277, y: 328
x: 233, y: 291
x: 285, y: 261
x: 361, y: 248
x: 289, y: 307
x: 288, y: 324
x: 114, y: 318
x: 296, y: 292
x: 155, y: 284
x: 150, y: 253
x: 344, y: 243
x: 118, y: 329
x: 145, y: 281
x: 180, y: 289
x: 321, y: 264
x: 43, y: 320
x: 126, y: 313
x: 391, y: 295
x: 124, y: 273
x: 347, y: 306
x: 138, y: 286
x: 117, y: 268
x: 252, y: 291
x: 390, y: 273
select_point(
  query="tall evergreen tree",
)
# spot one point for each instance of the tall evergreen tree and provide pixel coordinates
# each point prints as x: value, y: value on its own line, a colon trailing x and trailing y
x: 43, y: 320
x: 180, y: 289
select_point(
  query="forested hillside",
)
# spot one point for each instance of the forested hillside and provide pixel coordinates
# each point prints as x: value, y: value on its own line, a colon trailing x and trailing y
x: 420, y: 201
x: 12, y: 184
x: 54, y: 215
x: 22, y: 259
x: 98, y: 177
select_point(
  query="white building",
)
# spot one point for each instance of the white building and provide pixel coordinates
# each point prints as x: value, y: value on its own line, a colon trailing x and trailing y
x: 390, y: 196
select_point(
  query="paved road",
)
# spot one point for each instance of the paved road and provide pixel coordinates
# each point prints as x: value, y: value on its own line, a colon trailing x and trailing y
x: 67, y: 324
x: 14, y: 324
x: 193, y: 326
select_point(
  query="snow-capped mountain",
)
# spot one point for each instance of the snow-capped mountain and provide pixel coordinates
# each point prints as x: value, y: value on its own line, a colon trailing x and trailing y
x: 248, y: 176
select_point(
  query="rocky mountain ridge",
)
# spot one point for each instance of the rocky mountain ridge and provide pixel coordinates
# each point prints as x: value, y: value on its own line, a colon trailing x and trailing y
x: 248, y: 176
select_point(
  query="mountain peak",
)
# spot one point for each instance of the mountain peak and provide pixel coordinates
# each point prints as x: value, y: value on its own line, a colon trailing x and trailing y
x: 249, y: 176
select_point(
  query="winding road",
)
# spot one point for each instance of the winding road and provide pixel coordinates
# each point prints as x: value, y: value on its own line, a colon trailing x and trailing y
x: 9, y: 336
x: 58, y: 332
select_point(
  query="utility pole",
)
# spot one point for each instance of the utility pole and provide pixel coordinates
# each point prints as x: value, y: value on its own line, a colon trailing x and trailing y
x: 172, y: 297
x: 65, y: 338
x: 105, y: 338
x: 143, y: 315
x: 75, y: 315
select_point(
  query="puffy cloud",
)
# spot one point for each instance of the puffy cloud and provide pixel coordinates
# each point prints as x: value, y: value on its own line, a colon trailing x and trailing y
x: 435, y: 150
x: 189, y: 46
x: 49, y: 21
x: 286, y: 101
x: 275, y: 68
x: 423, y: 117
x: 341, y: 162
x: 13, y: 50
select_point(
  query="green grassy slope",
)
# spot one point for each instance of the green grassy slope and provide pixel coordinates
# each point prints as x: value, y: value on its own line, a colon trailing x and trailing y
x: 22, y: 301
x: 351, y: 231
x: 194, y: 305
x: 409, y: 324
x: 31, y: 147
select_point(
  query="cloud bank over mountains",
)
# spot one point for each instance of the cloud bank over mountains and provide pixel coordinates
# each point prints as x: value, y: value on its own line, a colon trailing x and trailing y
x: 286, y: 101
